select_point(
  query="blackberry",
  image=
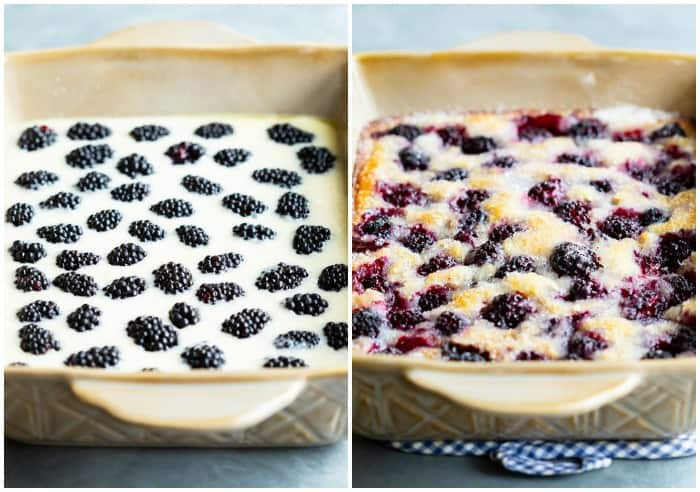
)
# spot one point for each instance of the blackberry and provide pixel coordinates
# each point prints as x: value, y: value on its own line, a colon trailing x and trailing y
x: 70, y: 259
x: 580, y: 160
x: 293, y: 205
x: 336, y: 335
x: 283, y: 361
x: 60, y: 233
x: 172, y: 278
x: 253, y: 231
x: 296, y: 339
x: 173, y: 207
x: 285, y: 133
x: 61, y: 200
x: 478, y: 145
x: 104, y: 220
x: 311, y: 304
x: 149, y: 133
x: 192, y: 235
x: 203, y: 356
x: 574, y: 212
x: 586, y: 129
x: 198, y: 184
x: 333, y: 278
x: 409, y: 132
x: 503, y: 231
x: 214, y: 130
x: 488, y: 252
x: 33, y: 180
x: 84, y: 318
x: 471, y: 200
x: 36, y: 340
x: 573, y: 260
x: 464, y: 353
x: 126, y: 254
x: 310, y: 238
x: 507, y: 310
x: 674, y: 248
x: 418, y: 238
x: 434, y: 297
x: 185, y: 152
x: 93, y: 181
x: 619, y: 227
x: 151, y: 333
x: 134, y: 165
x: 89, y: 156
x: 87, y: 131
x: 518, y: 263
x: 585, y: 288
x: 30, y: 279
x: 502, y: 161
x: 19, y: 214
x: 38, y: 310
x: 27, y: 252
x: 146, y: 231
x: 223, y: 291
x: 243, y: 205
x: 449, y: 323
x: 602, y: 185
x: 652, y: 216
x: 667, y: 131
x: 182, y: 315
x: 281, y: 277
x: 36, y: 137
x: 131, y: 191
x: 584, y: 345
x: 413, y: 160
x: 549, y: 192
x: 277, y: 177
x: 437, y: 262
x: 246, y: 323
x: 316, y: 160
x: 125, y: 287
x: 454, y: 174
x: 101, y: 357
x: 77, y: 284
x: 219, y: 263
x: 231, y: 157
x: 366, y: 323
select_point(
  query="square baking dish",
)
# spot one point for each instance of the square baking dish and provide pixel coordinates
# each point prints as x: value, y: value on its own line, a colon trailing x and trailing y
x: 400, y: 398
x: 177, y: 68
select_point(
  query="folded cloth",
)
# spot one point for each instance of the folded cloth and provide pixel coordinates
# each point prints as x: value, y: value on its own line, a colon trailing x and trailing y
x: 550, y: 458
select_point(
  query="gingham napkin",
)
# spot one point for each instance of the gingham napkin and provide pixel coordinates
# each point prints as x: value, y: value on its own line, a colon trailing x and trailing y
x: 550, y: 458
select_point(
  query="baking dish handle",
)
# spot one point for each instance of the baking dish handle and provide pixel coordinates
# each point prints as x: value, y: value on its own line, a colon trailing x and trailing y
x: 544, y: 394
x: 529, y: 41
x: 175, y: 33
x: 190, y: 406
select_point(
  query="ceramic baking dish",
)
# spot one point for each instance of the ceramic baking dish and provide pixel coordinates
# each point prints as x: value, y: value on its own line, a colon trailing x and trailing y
x: 174, y: 69
x: 400, y: 398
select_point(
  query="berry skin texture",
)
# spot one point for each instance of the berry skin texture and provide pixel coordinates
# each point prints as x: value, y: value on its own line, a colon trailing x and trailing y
x: 548, y: 193
x: 29, y: 279
x: 126, y: 254
x: 585, y: 288
x: 253, y: 231
x: 60, y: 233
x: 27, y: 252
x: 172, y: 278
x: 77, y: 284
x: 449, y: 323
x: 70, y: 259
x: 619, y: 227
x: 293, y: 205
x: 413, y: 160
x: 219, y: 263
x: 192, y: 235
x: 584, y: 344
x: 418, y: 239
x: 535, y: 128
x: 336, y: 335
x: 478, y: 145
x: 36, y: 340
x: 246, y: 323
x: 519, y: 263
x: 149, y: 133
x: 151, y: 333
x: 366, y: 323
x: 223, y: 291
x: 434, y: 297
x: 603, y: 185
x: 36, y: 137
x: 61, y: 200
x: 104, y: 220
x: 146, y: 231
x: 19, y: 214
x: 243, y: 205
x: 296, y: 339
x: 93, y: 181
x: 402, y: 194
x: 573, y: 260
x: 88, y: 131
x: 33, y: 180
x: 203, y: 356
x: 652, y: 216
x: 185, y: 152
x: 454, y: 174
x: 452, y: 135
x: 405, y: 320
x: 182, y: 315
x: 282, y: 361
x: 488, y: 252
x: 134, y: 165
x: 281, y: 277
x: 277, y: 177
x: 580, y: 160
x: 310, y: 239
x: 574, y: 212
x: 333, y: 278
x: 89, y: 156
x: 38, y: 310
x: 85, y: 318
x: 214, y: 130
x: 674, y: 248
x: 95, y: 357
x: 310, y: 304
x: 438, y: 262
x: 200, y: 185
x: 231, y: 157
x: 125, y: 287
x: 130, y: 192
x: 667, y: 131
x: 464, y: 353
x: 503, y: 231
x: 172, y: 207
x: 409, y: 132
x: 287, y: 134
x: 508, y: 310
x: 586, y: 129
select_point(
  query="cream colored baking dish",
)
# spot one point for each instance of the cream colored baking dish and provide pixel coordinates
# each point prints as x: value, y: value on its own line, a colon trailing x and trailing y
x: 400, y: 398
x: 174, y: 69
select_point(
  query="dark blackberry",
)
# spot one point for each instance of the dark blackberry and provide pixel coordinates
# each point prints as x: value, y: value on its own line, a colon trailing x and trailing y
x: 185, y: 152
x: 146, y: 231
x: 434, y: 297
x: 579, y: 160
x: 296, y: 339
x: 437, y: 262
x: 549, y: 192
x: 619, y: 227
x: 77, y: 284
x: 203, y: 356
x: 151, y: 333
x: 585, y: 288
x: 89, y: 156
x: 30, y: 279
x: 33, y: 180
x: 60, y: 233
x: 402, y: 194
x: 588, y: 128
x: 336, y: 335
x: 502, y: 161
x: 413, y: 160
x: 584, y: 345
x: 84, y: 318
x: 134, y: 165
x: 452, y: 135
x: 231, y: 157
x: 652, y: 216
x: 277, y: 177
x: 192, y: 235
x: 245, y: 323
x: 126, y: 254
x: 223, y: 291
x: 172, y: 207
x: 19, y: 214
x: 454, y: 174
x: 449, y: 323
x: 70, y: 259
x: 198, y: 184
x: 508, y: 310
x: 214, y: 130
x: 93, y: 181
x: 333, y: 278
x: 253, y: 231
x: 293, y: 205
x: 149, y: 133
x: 88, y: 131
x: 61, y: 199
x: 101, y: 357
x: 470, y: 200
x: 281, y: 277
x: 36, y: 340
x: 284, y: 361
x: 38, y: 310
x: 243, y: 205
x: 131, y: 191
x: 573, y: 260
x: 418, y: 238
x: 182, y: 315
x: 311, y: 304
x: 172, y: 278
x: 310, y: 238
x: 27, y: 252
x: 602, y: 185
x: 219, y: 263
x: 125, y: 287
x: 36, y: 137
x: 501, y: 232
x: 406, y: 319
x: 574, y: 212
x: 488, y: 252
x: 478, y: 145
x: 285, y: 133
x: 464, y: 353
x: 366, y: 323
x: 519, y: 263
x: 409, y: 132
x: 104, y: 220
x: 674, y: 248
x: 667, y: 131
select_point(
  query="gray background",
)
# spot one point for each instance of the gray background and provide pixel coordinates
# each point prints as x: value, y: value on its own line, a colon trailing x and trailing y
x: 37, y: 27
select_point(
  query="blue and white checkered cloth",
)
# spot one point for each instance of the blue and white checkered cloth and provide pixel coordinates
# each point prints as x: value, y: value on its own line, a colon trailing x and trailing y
x: 550, y: 458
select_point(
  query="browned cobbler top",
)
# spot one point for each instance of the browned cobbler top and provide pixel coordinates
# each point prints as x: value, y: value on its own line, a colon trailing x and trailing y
x: 526, y: 236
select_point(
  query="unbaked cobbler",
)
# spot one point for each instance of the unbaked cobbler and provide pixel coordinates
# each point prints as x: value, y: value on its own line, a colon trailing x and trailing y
x: 526, y: 236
